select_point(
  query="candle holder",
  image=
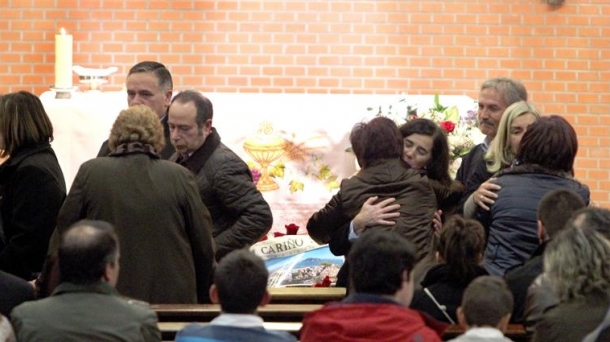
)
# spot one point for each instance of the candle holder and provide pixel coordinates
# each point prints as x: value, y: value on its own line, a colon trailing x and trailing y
x: 63, y: 93
x: 93, y: 77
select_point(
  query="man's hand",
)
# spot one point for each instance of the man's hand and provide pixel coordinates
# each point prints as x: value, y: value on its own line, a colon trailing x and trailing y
x: 376, y: 214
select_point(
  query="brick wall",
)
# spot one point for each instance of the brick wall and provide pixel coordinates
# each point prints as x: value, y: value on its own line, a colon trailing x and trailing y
x: 322, y: 46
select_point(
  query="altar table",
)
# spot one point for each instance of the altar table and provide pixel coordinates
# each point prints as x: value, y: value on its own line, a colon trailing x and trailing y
x: 316, y: 128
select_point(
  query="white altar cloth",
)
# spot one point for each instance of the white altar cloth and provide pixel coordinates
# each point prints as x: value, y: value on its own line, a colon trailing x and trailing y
x: 319, y: 123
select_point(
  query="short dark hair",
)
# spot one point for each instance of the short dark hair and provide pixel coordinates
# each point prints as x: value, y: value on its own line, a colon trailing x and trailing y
x: 549, y: 142
x: 241, y: 279
x: 23, y: 122
x: 377, y: 261
x: 205, y: 109
x: 438, y: 167
x: 85, y: 250
x: 164, y: 77
x: 375, y: 141
x: 486, y: 300
x: 511, y: 90
x: 556, y: 208
x: 461, y: 245
x: 594, y: 218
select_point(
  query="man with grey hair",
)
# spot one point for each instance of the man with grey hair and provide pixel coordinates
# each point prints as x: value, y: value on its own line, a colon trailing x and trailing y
x: 149, y: 83
x: 85, y: 306
x: 495, y: 96
x: 577, y: 267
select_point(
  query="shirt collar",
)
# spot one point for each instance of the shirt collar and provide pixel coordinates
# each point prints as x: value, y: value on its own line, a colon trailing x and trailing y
x: 238, y: 320
x: 484, y: 332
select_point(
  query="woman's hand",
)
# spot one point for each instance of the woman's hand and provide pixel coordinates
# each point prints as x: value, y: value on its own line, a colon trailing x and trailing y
x: 437, y: 222
x: 486, y: 195
x: 376, y: 214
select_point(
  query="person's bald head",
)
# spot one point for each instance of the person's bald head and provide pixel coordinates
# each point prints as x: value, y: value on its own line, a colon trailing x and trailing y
x: 87, y: 252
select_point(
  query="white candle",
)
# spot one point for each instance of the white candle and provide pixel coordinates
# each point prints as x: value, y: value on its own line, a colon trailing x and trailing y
x: 63, y: 60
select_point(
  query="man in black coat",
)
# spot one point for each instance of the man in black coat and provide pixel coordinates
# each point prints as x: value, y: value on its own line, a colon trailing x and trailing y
x: 150, y: 84
x: 240, y: 214
x: 495, y: 96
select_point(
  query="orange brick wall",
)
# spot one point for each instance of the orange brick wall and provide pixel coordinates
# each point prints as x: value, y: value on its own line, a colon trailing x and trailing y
x: 323, y: 46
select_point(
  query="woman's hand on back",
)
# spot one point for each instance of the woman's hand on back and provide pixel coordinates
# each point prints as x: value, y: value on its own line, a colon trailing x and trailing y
x: 373, y: 213
x: 486, y: 194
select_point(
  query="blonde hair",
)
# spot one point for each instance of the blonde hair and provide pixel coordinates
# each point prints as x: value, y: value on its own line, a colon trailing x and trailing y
x: 137, y: 124
x: 500, y: 154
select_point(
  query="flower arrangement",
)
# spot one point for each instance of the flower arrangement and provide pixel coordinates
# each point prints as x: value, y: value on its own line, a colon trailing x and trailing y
x: 462, y: 131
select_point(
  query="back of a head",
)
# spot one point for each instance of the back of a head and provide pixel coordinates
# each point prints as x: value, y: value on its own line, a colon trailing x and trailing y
x: 375, y: 141
x: 164, y: 77
x: 556, y: 208
x: 137, y: 124
x: 203, y: 105
x: 594, y: 218
x: 511, y: 90
x: 500, y: 154
x: 378, y: 260
x: 461, y: 245
x: 85, y: 250
x: 486, y: 301
x: 550, y: 142
x: 241, y: 279
x: 576, y: 263
x: 23, y: 122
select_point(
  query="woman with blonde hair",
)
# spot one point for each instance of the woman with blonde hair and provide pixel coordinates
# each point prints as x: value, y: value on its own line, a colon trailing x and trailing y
x: 501, y: 154
x: 167, y: 251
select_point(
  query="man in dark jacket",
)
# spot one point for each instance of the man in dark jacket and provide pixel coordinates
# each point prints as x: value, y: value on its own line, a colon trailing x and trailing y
x: 150, y: 84
x: 495, y: 96
x: 240, y: 214
x: 554, y: 210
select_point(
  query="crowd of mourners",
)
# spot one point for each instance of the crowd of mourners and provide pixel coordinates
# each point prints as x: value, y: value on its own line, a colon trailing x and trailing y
x: 166, y: 213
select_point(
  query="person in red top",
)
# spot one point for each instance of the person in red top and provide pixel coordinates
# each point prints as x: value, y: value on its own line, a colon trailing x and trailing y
x: 382, y: 289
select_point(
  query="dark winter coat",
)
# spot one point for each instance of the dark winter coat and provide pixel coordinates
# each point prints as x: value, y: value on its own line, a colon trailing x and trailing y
x: 32, y: 189
x: 240, y: 214
x: 512, y: 222
x: 165, y: 231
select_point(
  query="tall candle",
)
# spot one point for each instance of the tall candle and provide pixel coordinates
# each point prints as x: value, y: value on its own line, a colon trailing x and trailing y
x: 63, y: 60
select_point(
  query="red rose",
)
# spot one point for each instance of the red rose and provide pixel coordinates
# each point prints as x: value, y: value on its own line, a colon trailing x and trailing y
x: 278, y: 234
x: 447, y: 126
x: 291, y: 229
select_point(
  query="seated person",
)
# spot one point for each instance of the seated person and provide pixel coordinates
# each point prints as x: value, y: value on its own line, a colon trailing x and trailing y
x: 459, y: 253
x: 13, y: 291
x: 382, y: 288
x: 86, y: 306
x: 485, y: 310
x: 540, y: 296
x: 554, y: 210
x: 576, y: 265
x: 240, y: 286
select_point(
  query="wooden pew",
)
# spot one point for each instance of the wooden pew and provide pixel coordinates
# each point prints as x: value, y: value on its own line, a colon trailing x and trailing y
x: 306, y: 295
x: 206, y: 312
x: 515, y: 332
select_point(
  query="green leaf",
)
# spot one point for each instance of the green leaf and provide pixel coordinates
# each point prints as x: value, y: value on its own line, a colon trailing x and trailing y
x: 452, y: 114
x: 296, y: 186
